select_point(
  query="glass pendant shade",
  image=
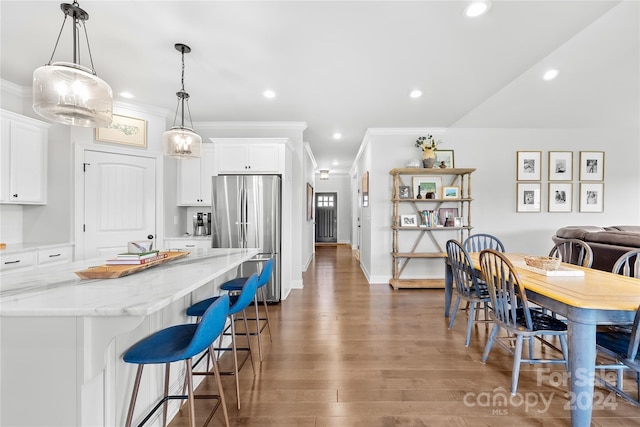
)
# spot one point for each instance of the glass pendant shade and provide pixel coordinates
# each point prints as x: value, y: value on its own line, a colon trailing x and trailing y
x: 182, y: 143
x: 70, y: 94
x: 67, y: 92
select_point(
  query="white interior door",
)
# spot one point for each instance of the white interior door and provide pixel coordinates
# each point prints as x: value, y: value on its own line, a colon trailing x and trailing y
x: 119, y: 202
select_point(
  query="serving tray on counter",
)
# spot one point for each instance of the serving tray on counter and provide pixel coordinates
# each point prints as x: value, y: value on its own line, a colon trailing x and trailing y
x: 116, y: 271
x: 562, y: 271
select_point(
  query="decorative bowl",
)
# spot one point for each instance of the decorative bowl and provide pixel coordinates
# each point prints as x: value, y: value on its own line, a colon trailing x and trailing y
x: 543, y: 262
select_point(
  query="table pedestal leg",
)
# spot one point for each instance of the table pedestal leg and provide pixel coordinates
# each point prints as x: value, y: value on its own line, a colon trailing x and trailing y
x: 581, y: 370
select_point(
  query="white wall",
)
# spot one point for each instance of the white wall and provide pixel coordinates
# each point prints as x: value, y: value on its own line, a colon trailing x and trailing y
x: 307, y: 237
x: 340, y: 184
x: 493, y: 152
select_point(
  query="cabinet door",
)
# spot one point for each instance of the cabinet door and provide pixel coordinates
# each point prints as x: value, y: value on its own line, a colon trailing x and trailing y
x: 263, y: 157
x: 23, y: 158
x: 232, y: 158
x: 207, y: 166
x: 28, y: 164
x: 189, y: 177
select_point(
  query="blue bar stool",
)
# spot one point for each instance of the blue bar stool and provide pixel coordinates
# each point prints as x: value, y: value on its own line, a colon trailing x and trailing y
x: 181, y: 343
x: 238, y: 303
x: 236, y: 285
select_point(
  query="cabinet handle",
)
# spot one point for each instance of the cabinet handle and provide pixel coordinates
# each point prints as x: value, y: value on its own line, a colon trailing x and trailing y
x: 54, y: 255
x: 15, y: 195
x: 11, y: 262
x: 190, y: 246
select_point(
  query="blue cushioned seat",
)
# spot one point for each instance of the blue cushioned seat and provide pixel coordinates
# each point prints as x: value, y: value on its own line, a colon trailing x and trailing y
x: 236, y: 304
x: 236, y: 285
x: 180, y: 343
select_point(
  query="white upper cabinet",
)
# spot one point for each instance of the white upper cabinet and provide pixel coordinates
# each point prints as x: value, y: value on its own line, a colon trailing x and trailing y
x: 194, y: 179
x: 23, y: 157
x: 249, y: 155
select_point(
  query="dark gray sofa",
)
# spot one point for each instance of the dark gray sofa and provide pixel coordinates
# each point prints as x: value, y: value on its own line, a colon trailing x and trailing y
x: 607, y: 243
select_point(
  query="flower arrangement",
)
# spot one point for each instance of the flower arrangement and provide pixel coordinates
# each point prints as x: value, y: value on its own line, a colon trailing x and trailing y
x: 427, y: 143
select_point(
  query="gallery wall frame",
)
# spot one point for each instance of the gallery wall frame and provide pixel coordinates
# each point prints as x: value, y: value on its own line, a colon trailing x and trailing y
x: 560, y: 165
x: 528, y: 165
x: 560, y: 197
x: 365, y: 189
x: 124, y: 130
x: 528, y: 197
x: 591, y: 197
x: 592, y: 166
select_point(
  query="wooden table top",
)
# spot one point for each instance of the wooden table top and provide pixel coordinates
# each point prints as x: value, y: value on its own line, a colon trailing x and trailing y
x: 597, y: 289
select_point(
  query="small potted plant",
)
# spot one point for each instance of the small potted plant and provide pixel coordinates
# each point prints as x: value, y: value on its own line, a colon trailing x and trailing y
x: 428, y: 146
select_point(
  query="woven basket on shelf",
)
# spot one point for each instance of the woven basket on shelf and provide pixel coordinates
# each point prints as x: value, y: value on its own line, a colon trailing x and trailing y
x: 543, y: 262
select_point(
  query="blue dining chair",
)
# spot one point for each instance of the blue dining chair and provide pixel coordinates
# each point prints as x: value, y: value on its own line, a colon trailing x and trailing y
x: 624, y: 347
x: 180, y: 343
x: 237, y: 304
x: 467, y: 286
x: 236, y: 285
x: 510, y: 311
x: 481, y: 241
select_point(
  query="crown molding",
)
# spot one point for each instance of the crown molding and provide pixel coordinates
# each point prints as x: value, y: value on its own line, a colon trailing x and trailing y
x: 299, y: 126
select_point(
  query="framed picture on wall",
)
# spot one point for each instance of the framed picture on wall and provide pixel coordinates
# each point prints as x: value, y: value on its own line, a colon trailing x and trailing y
x: 560, y: 197
x: 124, y: 130
x: 528, y: 166
x: 591, y: 165
x: 528, y: 197
x: 591, y: 197
x: 560, y: 165
x: 309, y: 202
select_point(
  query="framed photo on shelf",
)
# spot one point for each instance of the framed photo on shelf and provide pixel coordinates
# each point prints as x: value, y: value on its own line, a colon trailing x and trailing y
x: 560, y: 165
x: 529, y: 166
x: 592, y: 197
x: 444, y: 159
x: 560, y: 197
x: 447, y: 216
x: 423, y: 186
x: 592, y: 166
x: 450, y: 192
x: 404, y: 192
x: 408, y: 221
x: 124, y: 130
x: 458, y: 221
x: 528, y: 197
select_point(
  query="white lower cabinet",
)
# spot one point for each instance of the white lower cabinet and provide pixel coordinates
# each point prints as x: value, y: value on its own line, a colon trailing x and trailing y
x: 186, y: 243
x: 35, y: 257
x: 20, y: 261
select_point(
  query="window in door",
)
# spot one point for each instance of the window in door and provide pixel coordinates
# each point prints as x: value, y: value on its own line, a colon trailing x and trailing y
x: 326, y: 217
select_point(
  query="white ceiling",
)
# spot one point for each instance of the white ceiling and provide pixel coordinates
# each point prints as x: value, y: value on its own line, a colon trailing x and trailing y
x: 345, y: 66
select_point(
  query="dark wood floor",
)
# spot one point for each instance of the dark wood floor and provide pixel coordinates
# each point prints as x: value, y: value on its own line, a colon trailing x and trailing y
x: 349, y: 354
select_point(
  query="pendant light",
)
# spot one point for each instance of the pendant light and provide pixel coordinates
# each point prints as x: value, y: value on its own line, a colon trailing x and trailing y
x: 69, y: 93
x: 179, y: 141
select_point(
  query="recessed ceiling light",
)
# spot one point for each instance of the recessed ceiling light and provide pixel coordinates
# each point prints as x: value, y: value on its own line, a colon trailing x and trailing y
x: 550, y: 74
x: 335, y: 163
x: 476, y: 9
x: 269, y: 94
x: 127, y: 95
x: 415, y: 94
x: 337, y: 135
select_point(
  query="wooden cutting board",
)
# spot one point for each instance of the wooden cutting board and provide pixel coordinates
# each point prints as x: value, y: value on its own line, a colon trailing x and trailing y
x: 115, y: 271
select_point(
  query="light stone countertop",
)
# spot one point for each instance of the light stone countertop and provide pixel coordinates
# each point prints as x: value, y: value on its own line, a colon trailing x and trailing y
x: 58, y: 291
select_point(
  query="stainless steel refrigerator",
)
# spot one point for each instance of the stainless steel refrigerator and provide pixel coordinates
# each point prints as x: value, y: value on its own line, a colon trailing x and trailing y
x: 246, y: 214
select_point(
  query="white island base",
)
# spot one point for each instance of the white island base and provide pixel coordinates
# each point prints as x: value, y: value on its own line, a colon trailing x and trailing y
x: 62, y: 338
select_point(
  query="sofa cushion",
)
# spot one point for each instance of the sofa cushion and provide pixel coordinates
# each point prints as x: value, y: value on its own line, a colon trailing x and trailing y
x: 577, y: 232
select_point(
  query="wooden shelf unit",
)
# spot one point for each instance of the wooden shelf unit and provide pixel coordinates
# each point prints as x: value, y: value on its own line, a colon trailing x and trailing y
x: 400, y: 258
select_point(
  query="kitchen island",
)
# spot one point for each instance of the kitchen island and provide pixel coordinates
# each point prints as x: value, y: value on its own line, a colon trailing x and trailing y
x: 62, y: 338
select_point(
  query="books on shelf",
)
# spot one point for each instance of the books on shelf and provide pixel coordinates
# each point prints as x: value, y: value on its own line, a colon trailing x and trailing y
x: 143, y: 259
x: 141, y: 255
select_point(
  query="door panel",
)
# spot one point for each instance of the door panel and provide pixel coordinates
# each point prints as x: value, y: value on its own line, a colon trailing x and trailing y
x: 326, y: 218
x: 262, y: 213
x: 119, y: 202
x: 226, y: 211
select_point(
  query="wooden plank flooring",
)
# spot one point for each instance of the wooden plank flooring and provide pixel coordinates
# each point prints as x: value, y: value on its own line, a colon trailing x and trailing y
x: 349, y: 354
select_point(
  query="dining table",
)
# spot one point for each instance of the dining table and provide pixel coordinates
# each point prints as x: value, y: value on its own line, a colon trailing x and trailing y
x: 587, y: 298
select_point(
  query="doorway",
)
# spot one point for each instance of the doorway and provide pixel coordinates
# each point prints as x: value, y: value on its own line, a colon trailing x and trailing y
x: 326, y: 217
x: 118, y: 202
